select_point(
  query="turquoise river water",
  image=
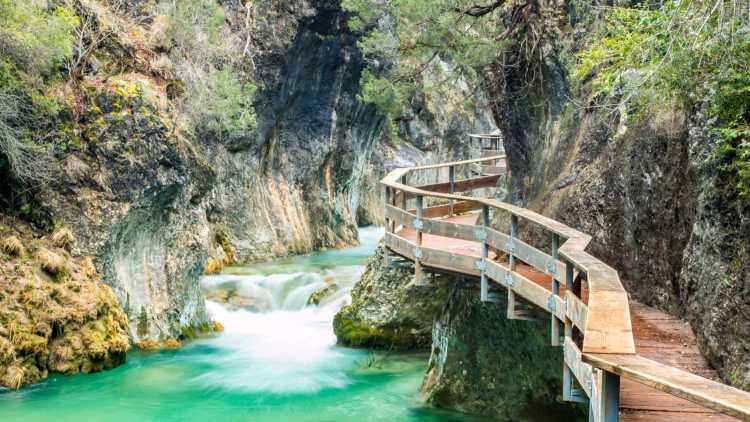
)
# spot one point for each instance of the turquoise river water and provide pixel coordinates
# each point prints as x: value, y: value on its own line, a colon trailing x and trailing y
x: 277, y: 360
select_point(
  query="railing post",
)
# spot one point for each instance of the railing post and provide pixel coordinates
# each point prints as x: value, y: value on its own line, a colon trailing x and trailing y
x: 605, y: 401
x: 386, y: 255
x: 552, y: 268
x: 452, y: 180
x: 512, y: 265
x: 569, y: 393
x: 418, y: 251
x: 403, y: 196
x: 485, y: 252
x: 567, y: 374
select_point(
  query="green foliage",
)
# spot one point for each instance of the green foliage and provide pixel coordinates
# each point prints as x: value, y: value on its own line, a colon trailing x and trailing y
x: 217, y: 99
x: 33, y: 37
x: 689, y: 51
x: 408, y: 42
x: 195, y: 25
x: 734, y: 155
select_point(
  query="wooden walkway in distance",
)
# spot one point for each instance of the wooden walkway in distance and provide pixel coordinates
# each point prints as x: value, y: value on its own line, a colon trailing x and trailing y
x: 658, y: 336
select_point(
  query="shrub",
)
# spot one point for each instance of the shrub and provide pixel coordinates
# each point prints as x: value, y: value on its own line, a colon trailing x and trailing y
x: 33, y: 37
x: 12, y: 246
x: 63, y: 238
x: 216, y: 101
x: 148, y: 344
x: 201, y: 56
x: 51, y: 262
x: 142, y: 326
x: 213, y: 266
x: 694, y: 53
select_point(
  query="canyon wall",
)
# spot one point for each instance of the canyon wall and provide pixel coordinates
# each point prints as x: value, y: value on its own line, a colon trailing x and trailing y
x: 153, y: 203
x: 643, y: 182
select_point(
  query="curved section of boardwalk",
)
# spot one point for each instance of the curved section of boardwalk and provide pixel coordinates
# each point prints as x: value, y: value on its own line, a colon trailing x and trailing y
x: 446, y: 226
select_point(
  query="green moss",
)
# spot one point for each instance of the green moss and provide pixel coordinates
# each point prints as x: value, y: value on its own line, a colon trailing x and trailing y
x: 353, y: 331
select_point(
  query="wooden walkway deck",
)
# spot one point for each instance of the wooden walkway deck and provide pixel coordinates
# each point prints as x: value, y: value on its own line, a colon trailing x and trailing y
x: 658, y: 336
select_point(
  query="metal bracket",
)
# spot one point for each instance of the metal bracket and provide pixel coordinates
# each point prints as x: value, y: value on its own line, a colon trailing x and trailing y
x: 551, y: 303
x: 481, y: 265
x: 509, y: 279
x: 418, y: 253
x: 417, y: 224
x: 480, y: 234
x: 511, y: 246
x: 552, y: 267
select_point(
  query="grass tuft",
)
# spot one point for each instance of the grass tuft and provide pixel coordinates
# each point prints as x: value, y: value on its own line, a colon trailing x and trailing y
x: 51, y: 262
x: 63, y: 238
x: 12, y: 246
x: 172, y: 343
x: 148, y: 344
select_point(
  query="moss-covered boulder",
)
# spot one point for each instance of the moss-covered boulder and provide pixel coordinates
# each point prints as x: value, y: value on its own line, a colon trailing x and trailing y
x: 388, y: 311
x: 55, y: 313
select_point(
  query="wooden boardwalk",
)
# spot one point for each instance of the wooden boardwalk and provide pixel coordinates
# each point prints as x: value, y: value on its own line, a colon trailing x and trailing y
x: 658, y: 336
x: 628, y: 361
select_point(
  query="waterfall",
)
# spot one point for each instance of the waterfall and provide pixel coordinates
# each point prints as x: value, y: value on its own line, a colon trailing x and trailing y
x: 273, y: 340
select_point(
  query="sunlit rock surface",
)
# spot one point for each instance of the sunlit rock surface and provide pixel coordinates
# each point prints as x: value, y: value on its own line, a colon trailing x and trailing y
x: 388, y: 310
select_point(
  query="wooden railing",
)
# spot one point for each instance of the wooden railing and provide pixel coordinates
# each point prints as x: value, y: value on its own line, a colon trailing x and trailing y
x: 595, y: 331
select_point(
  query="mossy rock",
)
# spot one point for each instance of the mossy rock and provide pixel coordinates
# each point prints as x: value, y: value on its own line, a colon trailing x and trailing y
x: 353, y: 331
x: 326, y: 291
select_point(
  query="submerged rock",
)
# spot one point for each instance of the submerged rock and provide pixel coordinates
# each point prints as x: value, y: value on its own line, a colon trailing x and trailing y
x: 388, y: 311
x: 322, y: 293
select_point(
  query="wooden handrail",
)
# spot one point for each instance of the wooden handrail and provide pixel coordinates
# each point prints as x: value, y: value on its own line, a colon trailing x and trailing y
x: 608, y: 329
x: 711, y: 394
x: 604, y: 319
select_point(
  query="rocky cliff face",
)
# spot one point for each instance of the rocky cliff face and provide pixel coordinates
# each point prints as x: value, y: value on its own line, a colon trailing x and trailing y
x: 153, y: 204
x: 642, y: 184
x: 485, y: 364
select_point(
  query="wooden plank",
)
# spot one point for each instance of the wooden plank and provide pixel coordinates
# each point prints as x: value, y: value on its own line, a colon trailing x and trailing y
x: 492, y: 152
x: 461, y: 185
x: 582, y: 371
x: 399, y: 216
x: 454, y: 262
x: 493, y: 170
x: 445, y: 210
x: 456, y: 163
x: 399, y: 245
x: 526, y: 253
x: 450, y: 229
x: 705, y: 392
x: 576, y: 310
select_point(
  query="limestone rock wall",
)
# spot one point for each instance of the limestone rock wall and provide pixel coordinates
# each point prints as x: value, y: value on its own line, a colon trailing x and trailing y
x: 642, y: 185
